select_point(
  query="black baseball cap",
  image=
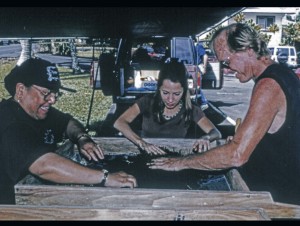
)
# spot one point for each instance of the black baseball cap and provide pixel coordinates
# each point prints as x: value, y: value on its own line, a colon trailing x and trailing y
x: 35, y: 71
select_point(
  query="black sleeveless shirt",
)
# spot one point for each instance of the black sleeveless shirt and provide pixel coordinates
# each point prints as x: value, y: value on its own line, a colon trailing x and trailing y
x: 274, y: 165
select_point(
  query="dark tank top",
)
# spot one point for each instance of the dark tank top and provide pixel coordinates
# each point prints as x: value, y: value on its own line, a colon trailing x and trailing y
x: 274, y: 165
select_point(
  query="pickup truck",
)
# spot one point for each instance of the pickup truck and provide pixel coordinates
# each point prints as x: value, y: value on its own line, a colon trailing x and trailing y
x: 131, y: 71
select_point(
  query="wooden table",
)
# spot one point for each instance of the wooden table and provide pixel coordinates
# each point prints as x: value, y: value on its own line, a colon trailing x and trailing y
x: 71, y: 202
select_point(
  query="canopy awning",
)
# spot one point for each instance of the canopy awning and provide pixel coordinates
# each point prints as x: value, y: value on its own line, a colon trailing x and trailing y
x: 33, y: 22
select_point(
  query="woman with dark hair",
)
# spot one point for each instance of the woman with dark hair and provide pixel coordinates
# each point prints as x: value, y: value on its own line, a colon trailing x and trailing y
x: 168, y: 113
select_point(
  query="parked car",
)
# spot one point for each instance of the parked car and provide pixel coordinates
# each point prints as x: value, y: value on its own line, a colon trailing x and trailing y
x: 4, y: 42
x: 284, y: 54
x: 298, y: 59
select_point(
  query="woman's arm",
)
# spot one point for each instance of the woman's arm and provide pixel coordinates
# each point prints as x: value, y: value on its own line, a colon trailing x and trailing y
x: 122, y: 124
x: 212, y: 133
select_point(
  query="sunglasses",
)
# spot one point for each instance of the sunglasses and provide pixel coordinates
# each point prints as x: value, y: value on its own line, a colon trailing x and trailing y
x: 47, y: 94
x: 225, y: 63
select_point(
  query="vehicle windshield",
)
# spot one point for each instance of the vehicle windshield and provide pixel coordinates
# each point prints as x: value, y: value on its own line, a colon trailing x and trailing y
x: 284, y: 51
x: 155, y: 50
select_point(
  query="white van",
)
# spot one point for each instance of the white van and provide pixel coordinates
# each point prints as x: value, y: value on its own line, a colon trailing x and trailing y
x: 284, y: 54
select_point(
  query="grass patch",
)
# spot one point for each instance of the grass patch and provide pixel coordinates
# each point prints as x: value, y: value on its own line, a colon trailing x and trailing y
x: 77, y: 104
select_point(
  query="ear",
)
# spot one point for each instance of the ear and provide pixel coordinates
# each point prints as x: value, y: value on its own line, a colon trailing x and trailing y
x: 20, y: 87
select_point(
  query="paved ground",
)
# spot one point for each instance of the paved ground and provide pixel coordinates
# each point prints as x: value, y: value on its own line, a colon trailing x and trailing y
x: 233, y: 99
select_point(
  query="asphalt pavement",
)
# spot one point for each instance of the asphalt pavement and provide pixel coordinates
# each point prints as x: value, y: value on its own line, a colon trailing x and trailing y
x: 66, y: 61
x: 233, y: 99
x: 10, y: 51
x: 14, y: 51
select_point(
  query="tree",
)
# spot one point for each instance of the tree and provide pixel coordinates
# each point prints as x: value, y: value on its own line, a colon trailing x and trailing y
x: 75, y: 65
x: 26, y: 51
x: 239, y: 18
x: 273, y: 28
x: 210, y: 34
x: 291, y: 34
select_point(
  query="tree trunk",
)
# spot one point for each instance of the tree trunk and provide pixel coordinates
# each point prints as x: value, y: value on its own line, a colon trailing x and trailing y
x: 52, y: 49
x: 26, y: 51
x: 75, y: 65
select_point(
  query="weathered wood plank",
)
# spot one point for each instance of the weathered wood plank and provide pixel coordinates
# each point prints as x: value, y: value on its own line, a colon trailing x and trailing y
x: 237, y: 183
x: 277, y: 210
x: 75, y: 213
x: 122, y: 146
x: 116, y: 145
x: 130, y: 198
x: 150, y: 199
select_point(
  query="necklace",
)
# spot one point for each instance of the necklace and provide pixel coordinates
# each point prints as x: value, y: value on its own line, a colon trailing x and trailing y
x: 168, y: 117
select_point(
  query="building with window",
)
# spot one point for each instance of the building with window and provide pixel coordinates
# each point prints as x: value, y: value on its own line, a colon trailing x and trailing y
x: 263, y: 16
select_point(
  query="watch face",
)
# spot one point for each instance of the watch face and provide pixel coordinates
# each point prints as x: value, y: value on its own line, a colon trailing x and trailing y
x: 105, y: 173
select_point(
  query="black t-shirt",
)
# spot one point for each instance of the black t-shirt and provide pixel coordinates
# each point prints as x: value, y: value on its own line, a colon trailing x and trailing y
x: 173, y: 128
x: 22, y: 141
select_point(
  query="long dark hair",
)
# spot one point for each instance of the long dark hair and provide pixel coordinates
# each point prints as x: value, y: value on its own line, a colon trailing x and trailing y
x: 176, y: 72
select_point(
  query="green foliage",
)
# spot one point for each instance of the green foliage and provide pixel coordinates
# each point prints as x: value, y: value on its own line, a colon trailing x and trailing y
x: 252, y: 24
x: 78, y: 104
x: 291, y: 34
x: 239, y: 18
x: 210, y: 34
x: 273, y: 28
x: 5, y: 68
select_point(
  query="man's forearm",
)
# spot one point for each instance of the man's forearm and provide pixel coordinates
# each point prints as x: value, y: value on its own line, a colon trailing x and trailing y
x: 59, y: 169
x: 75, y: 130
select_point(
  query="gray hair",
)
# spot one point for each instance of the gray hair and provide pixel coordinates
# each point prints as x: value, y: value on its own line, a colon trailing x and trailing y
x: 241, y: 37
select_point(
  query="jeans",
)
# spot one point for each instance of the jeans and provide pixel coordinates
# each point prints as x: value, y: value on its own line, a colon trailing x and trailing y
x: 200, y: 98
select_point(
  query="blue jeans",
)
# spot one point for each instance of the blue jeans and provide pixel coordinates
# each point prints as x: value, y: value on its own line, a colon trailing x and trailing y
x: 200, y: 98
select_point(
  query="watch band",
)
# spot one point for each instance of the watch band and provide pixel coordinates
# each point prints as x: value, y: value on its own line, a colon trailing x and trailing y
x: 105, y: 175
x: 82, y: 135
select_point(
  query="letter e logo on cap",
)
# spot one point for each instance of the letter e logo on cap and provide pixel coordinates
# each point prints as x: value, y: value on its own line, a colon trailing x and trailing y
x: 52, y: 73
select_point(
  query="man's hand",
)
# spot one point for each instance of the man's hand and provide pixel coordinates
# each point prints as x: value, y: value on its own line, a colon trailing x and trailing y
x: 90, y: 149
x: 121, y: 180
x: 168, y: 164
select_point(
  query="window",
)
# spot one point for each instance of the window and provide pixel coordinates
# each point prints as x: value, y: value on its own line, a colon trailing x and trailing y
x: 292, y: 52
x: 265, y: 21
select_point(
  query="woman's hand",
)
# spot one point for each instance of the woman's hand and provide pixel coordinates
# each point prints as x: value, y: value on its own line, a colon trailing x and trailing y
x: 201, y: 145
x: 150, y: 148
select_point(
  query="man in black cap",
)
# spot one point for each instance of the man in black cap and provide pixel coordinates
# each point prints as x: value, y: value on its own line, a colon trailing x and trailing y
x: 30, y: 129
